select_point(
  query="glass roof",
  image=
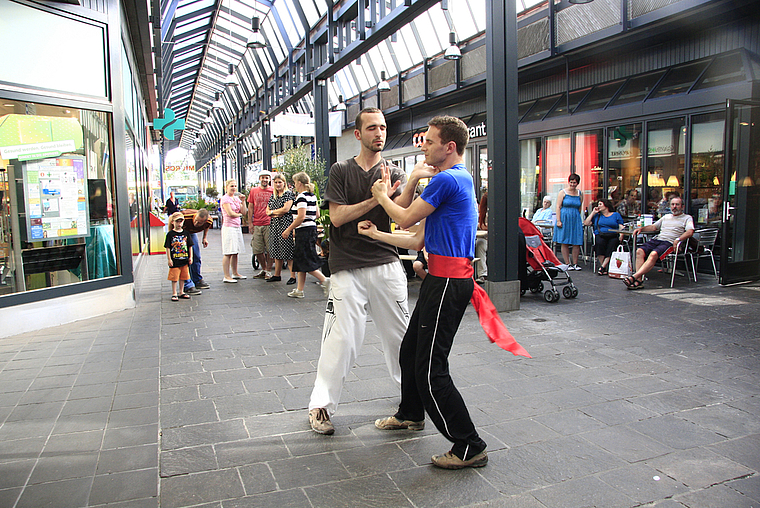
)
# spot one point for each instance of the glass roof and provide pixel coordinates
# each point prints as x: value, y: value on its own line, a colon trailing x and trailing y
x: 202, y: 37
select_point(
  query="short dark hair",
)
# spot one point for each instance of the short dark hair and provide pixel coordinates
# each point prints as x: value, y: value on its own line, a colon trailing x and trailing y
x: 574, y: 176
x: 358, y: 121
x: 453, y: 129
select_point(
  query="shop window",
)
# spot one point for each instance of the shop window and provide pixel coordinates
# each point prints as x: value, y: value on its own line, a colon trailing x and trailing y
x: 483, y: 168
x: 679, y: 79
x: 540, y: 108
x: 638, y: 88
x: 57, y: 217
x: 724, y: 70
x: 624, y: 169
x: 599, y: 96
x: 565, y: 106
x: 557, y: 164
x: 589, y: 147
x: 665, y: 164
x: 706, y: 189
x: 531, y: 190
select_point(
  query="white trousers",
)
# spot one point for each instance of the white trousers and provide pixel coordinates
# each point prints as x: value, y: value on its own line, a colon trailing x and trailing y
x: 481, y: 251
x: 379, y: 291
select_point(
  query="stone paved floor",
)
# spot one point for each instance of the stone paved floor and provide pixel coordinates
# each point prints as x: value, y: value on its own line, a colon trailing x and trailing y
x: 632, y: 398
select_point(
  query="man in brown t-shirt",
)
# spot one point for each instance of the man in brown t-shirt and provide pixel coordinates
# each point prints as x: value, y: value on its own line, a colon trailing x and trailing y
x: 196, y: 221
x: 366, y: 275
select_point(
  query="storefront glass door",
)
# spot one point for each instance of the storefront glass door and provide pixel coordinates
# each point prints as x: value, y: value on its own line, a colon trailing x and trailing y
x: 740, y: 258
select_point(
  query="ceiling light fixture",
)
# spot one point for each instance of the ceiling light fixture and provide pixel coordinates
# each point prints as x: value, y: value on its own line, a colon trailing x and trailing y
x: 256, y: 39
x: 580, y: 1
x: 231, y: 80
x: 452, y: 52
x: 383, y: 86
x: 217, y: 104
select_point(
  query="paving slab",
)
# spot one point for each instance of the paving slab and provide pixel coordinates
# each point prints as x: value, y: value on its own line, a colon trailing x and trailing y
x: 646, y: 398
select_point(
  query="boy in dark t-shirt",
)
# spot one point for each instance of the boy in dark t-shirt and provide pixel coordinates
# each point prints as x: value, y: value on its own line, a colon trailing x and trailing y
x: 179, y: 253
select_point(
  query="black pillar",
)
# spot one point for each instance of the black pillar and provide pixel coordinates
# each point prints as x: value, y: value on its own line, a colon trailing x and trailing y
x: 503, y: 145
x: 321, y: 121
x: 266, y: 146
x: 240, y: 163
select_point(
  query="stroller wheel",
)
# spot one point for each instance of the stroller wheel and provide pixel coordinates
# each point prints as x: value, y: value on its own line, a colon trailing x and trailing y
x: 538, y: 288
x: 567, y: 292
x: 551, y: 295
x: 575, y: 291
x: 522, y: 292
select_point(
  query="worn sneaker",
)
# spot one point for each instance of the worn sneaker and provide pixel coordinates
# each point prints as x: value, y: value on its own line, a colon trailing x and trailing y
x: 320, y: 422
x: 326, y: 286
x: 291, y: 281
x: 450, y: 461
x: 202, y: 284
x: 393, y: 423
x: 296, y: 294
x: 193, y: 291
x: 577, y: 268
x: 263, y: 274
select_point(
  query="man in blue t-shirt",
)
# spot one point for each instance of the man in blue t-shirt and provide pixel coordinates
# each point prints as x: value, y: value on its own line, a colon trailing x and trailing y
x: 449, y: 208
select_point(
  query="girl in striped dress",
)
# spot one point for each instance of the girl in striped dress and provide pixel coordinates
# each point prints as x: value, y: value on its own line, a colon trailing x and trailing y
x: 305, y: 213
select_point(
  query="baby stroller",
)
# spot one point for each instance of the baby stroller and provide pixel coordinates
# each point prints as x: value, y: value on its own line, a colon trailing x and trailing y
x: 542, y: 265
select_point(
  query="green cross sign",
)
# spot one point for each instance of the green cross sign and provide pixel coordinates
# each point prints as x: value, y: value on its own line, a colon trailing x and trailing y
x: 169, y: 123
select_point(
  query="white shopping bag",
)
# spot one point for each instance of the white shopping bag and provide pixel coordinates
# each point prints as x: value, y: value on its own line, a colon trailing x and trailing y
x: 620, y: 264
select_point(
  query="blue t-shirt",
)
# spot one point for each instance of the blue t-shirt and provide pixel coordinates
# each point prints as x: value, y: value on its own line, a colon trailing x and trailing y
x: 604, y: 224
x: 450, y: 229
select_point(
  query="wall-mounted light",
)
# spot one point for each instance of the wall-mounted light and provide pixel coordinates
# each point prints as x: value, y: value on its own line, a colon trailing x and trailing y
x: 580, y: 1
x: 672, y: 181
x: 341, y: 106
x: 383, y: 86
x: 452, y: 52
x: 231, y: 80
x: 217, y: 104
x: 256, y: 39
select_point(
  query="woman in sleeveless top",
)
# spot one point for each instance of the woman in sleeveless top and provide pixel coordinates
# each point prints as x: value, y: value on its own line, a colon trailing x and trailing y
x: 569, y: 229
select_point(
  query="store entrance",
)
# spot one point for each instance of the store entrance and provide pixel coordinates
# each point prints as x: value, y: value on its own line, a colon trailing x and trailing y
x: 740, y: 259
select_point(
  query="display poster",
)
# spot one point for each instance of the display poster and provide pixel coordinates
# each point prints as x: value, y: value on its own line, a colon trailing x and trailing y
x: 56, y: 198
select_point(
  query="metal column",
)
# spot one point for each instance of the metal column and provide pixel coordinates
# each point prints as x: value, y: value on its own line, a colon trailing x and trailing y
x: 503, y: 150
x: 321, y: 121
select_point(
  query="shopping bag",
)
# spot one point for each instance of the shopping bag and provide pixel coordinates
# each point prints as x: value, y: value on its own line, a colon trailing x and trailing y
x: 620, y: 264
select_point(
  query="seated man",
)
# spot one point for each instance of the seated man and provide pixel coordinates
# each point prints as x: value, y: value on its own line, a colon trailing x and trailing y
x: 674, y: 228
x: 543, y: 214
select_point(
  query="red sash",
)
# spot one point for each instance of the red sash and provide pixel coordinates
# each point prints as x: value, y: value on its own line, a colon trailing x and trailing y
x: 461, y: 268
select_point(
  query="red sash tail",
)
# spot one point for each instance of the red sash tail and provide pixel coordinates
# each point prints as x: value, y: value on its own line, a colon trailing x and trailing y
x: 461, y: 268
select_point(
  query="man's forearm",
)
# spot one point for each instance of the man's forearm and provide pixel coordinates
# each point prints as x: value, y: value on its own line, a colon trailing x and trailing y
x: 343, y: 214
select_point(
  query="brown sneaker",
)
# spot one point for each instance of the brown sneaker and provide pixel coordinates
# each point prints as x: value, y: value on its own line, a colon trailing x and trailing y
x: 393, y: 423
x: 451, y: 461
x: 320, y: 422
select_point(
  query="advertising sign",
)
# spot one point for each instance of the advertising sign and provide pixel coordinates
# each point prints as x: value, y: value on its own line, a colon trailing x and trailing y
x: 55, y: 192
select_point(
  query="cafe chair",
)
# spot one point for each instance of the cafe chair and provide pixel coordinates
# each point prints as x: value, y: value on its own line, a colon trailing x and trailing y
x: 678, y: 253
x: 707, y: 238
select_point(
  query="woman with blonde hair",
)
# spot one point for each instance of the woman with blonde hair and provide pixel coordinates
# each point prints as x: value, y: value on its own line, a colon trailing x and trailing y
x: 233, y: 208
x: 278, y: 209
x: 305, y: 213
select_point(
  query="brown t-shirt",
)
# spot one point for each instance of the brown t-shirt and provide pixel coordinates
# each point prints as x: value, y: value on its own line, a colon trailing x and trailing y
x: 190, y: 227
x: 349, y: 184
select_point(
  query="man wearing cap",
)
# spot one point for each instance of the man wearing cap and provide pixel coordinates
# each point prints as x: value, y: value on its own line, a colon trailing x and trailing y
x: 259, y: 223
